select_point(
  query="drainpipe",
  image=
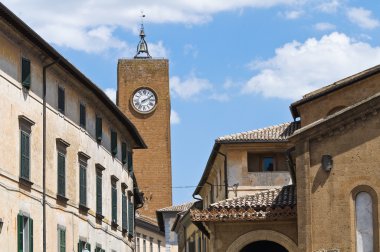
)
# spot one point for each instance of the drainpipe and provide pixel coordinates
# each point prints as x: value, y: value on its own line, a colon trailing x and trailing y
x: 44, y: 154
x: 225, y: 174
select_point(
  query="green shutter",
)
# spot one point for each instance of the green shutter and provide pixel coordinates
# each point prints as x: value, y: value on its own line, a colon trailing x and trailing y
x: 114, y: 203
x: 61, y: 174
x: 61, y: 100
x: 62, y: 240
x: 25, y: 73
x: 99, y: 129
x: 98, y: 193
x: 20, y: 231
x: 30, y: 235
x: 130, y: 161
x: 88, y: 245
x: 24, y: 155
x: 124, y: 153
x: 82, y: 115
x: 124, y: 211
x: 130, y: 218
x: 80, y: 246
x: 22, y: 151
x: 82, y: 186
x: 113, y: 142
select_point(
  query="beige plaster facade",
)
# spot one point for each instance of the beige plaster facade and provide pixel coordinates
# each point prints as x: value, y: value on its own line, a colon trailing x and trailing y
x: 19, y: 104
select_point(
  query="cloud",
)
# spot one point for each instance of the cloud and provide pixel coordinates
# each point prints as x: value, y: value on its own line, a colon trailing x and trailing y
x: 324, y: 26
x: 220, y: 97
x: 189, y: 87
x: 291, y: 15
x: 330, y: 6
x: 190, y: 49
x: 158, y: 50
x: 298, y: 68
x: 111, y: 93
x: 174, y: 117
x: 91, y: 25
x: 362, y: 18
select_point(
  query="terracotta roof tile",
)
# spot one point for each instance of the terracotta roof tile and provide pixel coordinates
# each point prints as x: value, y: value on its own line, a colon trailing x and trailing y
x: 275, y: 133
x: 177, y: 208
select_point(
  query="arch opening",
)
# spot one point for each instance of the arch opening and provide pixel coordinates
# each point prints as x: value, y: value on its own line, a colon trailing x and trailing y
x: 263, y: 246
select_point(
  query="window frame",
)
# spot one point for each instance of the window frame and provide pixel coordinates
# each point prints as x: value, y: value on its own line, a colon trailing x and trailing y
x: 261, y: 157
x: 24, y: 233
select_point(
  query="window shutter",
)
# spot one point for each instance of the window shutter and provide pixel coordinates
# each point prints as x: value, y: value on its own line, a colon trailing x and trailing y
x: 114, y: 204
x: 22, y: 153
x: 30, y: 235
x: 99, y: 130
x: 130, y: 218
x: 20, y: 230
x: 124, y: 211
x: 80, y: 246
x: 130, y: 161
x: 82, y: 193
x: 124, y: 153
x: 61, y: 174
x: 113, y: 142
x: 61, y: 100
x: 25, y: 73
x: 88, y: 245
x: 27, y: 156
x: 98, y: 194
x: 62, y: 240
x: 82, y: 115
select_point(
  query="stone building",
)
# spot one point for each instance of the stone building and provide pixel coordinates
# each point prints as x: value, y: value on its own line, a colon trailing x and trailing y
x: 66, y: 171
x: 308, y: 185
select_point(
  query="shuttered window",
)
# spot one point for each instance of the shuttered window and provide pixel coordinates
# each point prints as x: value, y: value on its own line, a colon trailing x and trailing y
x: 61, y: 239
x: 61, y: 174
x: 24, y: 234
x: 124, y: 215
x: 114, y: 202
x: 25, y: 73
x: 25, y: 155
x: 124, y: 153
x: 99, y: 130
x: 113, y: 142
x: 82, y: 185
x: 99, y: 193
x: 83, y: 245
x: 61, y: 100
x: 130, y: 161
x: 82, y: 115
x: 130, y: 218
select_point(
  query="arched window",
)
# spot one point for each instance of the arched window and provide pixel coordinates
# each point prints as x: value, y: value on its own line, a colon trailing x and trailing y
x: 364, y: 222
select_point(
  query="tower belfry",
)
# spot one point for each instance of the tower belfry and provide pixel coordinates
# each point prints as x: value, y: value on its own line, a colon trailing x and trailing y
x: 142, y: 46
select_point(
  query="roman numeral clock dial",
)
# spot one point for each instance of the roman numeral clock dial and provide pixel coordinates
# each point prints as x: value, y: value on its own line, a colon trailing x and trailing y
x: 144, y: 100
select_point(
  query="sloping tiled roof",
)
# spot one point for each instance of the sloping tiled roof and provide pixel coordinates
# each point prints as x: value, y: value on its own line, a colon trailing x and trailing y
x: 272, y: 204
x: 177, y: 208
x: 275, y: 133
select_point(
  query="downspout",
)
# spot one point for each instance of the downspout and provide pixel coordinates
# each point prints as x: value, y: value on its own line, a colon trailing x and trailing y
x: 44, y: 153
x: 225, y: 174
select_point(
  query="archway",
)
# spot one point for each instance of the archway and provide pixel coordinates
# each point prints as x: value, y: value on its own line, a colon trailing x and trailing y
x: 264, y: 246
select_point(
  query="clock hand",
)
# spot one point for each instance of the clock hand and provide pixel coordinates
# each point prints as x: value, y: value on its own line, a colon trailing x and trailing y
x: 146, y: 99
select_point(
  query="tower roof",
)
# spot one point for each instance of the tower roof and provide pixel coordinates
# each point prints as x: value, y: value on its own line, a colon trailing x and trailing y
x: 142, y: 46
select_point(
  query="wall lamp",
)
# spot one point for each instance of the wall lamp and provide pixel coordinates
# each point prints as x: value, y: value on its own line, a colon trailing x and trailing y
x: 327, y: 162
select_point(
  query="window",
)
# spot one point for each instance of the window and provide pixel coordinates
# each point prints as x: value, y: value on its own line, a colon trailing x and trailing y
x: 124, y: 153
x: 82, y: 184
x: 130, y: 160
x: 83, y: 245
x: 25, y: 155
x: 99, y: 130
x: 114, y: 199
x: 61, y: 174
x: 82, y: 115
x: 144, y: 243
x: 124, y: 214
x: 130, y: 217
x: 99, y: 193
x: 159, y: 246
x: 150, y: 244
x: 364, y: 222
x: 25, y: 73
x: 24, y: 233
x: 113, y: 142
x: 261, y: 163
x: 61, y: 100
x: 137, y: 244
x: 61, y: 239
x: 99, y: 249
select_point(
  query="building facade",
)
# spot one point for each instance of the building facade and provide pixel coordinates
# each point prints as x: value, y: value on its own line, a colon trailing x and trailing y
x: 66, y: 171
x: 309, y: 185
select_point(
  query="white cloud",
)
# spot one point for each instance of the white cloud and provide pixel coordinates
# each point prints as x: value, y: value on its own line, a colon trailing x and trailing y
x: 157, y: 50
x: 174, y: 117
x: 90, y: 25
x: 362, y: 18
x: 189, y: 87
x: 295, y: 14
x: 323, y: 26
x: 220, y: 97
x: 111, y: 93
x: 190, y: 49
x: 298, y: 68
x: 330, y: 6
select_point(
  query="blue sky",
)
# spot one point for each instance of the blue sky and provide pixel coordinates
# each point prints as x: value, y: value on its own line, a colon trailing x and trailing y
x: 234, y: 65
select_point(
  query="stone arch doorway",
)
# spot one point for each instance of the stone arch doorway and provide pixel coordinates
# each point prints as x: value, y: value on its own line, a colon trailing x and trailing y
x: 263, y: 246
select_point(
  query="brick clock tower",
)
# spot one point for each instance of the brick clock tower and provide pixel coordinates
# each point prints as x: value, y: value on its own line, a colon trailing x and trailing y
x: 143, y: 95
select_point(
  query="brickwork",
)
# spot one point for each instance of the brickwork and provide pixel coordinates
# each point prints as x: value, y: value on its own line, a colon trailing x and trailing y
x: 152, y: 166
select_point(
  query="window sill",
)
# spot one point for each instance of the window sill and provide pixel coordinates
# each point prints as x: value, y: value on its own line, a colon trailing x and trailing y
x: 25, y: 182
x: 62, y: 198
x: 114, y: 224
x: 83, y: 208
x: 99, y: 216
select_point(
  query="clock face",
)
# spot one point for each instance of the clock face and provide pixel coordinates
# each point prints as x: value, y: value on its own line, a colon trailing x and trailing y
x: 144, y: 100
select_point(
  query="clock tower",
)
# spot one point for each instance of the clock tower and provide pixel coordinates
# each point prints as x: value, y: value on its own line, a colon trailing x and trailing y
x: 143, y: 95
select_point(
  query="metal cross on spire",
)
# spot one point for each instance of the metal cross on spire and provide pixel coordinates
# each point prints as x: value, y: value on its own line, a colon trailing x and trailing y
x: 142, y: 46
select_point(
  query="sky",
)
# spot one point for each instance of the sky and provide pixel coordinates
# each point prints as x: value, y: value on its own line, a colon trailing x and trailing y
x: 235, y: 65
